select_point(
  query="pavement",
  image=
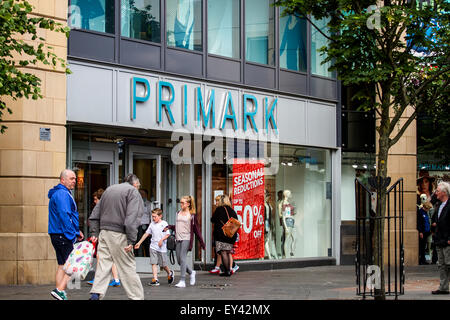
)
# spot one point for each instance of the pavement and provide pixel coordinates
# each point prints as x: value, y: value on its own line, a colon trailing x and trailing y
x: 308, y: 283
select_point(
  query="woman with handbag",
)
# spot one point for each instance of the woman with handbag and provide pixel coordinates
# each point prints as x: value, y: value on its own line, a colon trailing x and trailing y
x: 186, y: 226
x: 224, y: 241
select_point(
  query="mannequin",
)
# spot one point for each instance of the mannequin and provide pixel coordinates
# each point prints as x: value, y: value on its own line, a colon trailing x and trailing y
x: 286, y: 211
x: 279, y: 227
x: 269, y: 228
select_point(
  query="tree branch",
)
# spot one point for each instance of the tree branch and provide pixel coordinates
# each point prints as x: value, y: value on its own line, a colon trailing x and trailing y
x: 403, y: 129
x: 431, y: 79
x: 303, y: 16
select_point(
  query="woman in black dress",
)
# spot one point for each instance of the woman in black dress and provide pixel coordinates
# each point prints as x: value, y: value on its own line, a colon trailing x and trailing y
x: 224, y: 245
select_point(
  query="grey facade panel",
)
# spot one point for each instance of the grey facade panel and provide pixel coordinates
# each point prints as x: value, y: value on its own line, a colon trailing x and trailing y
x: 259, y: 76
x: 293, y: 82
x: 321, y: 124
x: 140, y: 55
x: 90, y: 95
x: 184, y: 62
x: 103, y: 95
x: 92, y: 46
x: 323, y: 88
x: 223, y: 69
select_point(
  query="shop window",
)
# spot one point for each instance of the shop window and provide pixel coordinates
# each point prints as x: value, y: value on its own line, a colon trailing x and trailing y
x: 318, y: 40
x: 224, y: 28
x: 259, y: 31
x: 292, y: 43
x: 184, y: 24
x: 140, y: 19
x: 285, y: 213
x: 94, y: 15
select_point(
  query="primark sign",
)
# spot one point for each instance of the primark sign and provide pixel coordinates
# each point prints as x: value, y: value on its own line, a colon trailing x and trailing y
x: 123, y: 98
x: 214, y: 109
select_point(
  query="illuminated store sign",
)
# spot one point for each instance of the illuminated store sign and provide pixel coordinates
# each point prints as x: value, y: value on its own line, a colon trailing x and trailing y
x: 209, y: 111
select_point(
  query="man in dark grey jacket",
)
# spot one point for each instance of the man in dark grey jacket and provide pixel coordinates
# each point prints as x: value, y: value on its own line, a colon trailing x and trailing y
x: 115, y: 220
x: 441, y: 223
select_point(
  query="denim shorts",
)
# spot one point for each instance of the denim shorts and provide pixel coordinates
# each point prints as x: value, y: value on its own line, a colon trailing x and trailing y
x: 63, y: 247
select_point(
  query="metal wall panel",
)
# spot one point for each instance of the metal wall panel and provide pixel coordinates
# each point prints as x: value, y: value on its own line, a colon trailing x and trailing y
x: 293, y: 82
x: 321, y: 124
x: 259, y: 76
x: 223, y: 69
x: 184, y: 62
x: 138, y: 54
x: 101, y: 95
x: 323, y: 88
x: 90, y: 94
x: 92, y: 46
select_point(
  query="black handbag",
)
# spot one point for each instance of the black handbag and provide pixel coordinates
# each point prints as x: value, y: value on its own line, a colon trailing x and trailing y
x: 171, y: 246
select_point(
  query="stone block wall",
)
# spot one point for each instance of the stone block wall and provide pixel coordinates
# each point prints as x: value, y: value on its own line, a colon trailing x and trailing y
x: 29, y: 167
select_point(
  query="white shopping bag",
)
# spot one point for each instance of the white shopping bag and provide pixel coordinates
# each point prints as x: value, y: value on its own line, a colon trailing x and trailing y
x: 80, y: 260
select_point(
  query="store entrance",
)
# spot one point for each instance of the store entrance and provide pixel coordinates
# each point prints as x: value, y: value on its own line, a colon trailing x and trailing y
x: 158, y: 184
x: 90, y: 178
x: 94, y: 165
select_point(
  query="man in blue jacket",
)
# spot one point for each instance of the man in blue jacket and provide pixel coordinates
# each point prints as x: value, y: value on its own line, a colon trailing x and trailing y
x: 63, y: 227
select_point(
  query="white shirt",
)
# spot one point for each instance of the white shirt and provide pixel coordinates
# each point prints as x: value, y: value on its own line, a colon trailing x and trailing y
x: 147, y: 212
x: 441, y: 207
x: 156, y: 230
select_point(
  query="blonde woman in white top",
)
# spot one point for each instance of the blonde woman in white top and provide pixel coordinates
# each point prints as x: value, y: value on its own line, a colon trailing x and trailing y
x: 185, y: 227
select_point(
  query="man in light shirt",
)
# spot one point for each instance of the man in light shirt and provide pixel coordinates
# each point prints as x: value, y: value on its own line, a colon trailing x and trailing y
x: 441, y: 222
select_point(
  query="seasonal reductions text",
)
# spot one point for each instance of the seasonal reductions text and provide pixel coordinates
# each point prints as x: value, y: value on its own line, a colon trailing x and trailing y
x: 248, y: 181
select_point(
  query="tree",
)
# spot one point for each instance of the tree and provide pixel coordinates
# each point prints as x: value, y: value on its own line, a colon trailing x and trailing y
x: 376, y: 47
x: 17, y: 23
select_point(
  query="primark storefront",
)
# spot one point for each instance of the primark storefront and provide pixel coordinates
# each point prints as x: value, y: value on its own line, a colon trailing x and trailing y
x: 205, y: 97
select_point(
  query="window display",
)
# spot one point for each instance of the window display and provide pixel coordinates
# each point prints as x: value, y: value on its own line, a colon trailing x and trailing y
x: 295, y: 213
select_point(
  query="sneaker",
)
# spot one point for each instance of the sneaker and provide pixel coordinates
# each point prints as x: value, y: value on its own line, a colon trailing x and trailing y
x: 235, y: 268
x: 154, y: 283
x: 114, y: 283
x: 216, y: 270
x: 94, y: 296
x: 181, y: 284
x: 58, y: 295
x: 171, y: 277
x: 192, y: 278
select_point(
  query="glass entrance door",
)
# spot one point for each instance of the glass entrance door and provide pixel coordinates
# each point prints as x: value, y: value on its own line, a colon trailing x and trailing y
x: 90, y: 178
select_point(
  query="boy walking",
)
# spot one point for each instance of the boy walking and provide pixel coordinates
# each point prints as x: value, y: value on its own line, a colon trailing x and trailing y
x: 158, y: 246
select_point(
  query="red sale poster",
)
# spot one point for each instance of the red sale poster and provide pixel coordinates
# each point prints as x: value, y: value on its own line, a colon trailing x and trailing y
x: 248, y: 202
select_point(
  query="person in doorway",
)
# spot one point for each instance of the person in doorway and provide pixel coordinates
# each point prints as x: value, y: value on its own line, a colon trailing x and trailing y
x: 423, y: 226
x: 425, y: 186
x: 158, y: 246
x: 224, y: 244
x: 63, y: 227
x: 145, y: 222
x: 115, y: 281
x: 269, y: 227
x: 441, y: 222
x: 186, y: 226
x: 114, y: 224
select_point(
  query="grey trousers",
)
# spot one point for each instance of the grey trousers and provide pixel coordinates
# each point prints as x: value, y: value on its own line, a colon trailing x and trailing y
x: 110, y: 249
x: 443, y: 266
x: 182, y: 251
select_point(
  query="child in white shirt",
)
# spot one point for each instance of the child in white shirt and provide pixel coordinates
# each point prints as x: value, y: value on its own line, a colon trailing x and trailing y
x: 158, y: 246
